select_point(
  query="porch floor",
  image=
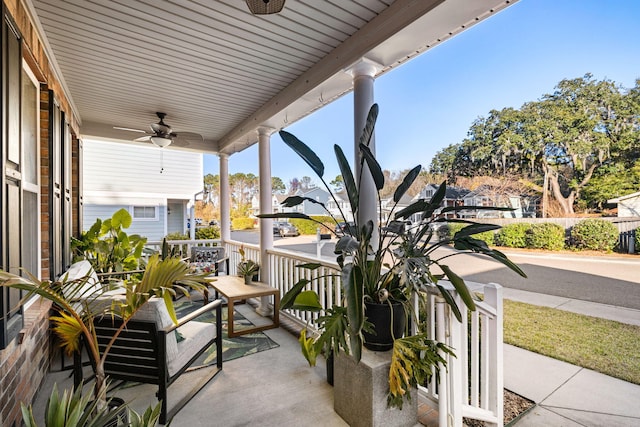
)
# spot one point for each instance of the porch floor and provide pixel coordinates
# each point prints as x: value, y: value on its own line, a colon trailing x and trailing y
x: 271, y: 388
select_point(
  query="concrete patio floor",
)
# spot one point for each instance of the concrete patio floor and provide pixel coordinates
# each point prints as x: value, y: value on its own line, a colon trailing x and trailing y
x: 273, y: 387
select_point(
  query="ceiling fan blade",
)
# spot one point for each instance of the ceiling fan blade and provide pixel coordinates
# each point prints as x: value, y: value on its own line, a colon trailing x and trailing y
x: 145, y: 138
x: 129, y: 129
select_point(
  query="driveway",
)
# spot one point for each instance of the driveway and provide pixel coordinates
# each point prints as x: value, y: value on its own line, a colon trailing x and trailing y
x: 612, y: 280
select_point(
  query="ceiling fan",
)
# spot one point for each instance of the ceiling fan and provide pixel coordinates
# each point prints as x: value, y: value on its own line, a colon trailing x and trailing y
x: 265, y: 7
x: 162, y: 135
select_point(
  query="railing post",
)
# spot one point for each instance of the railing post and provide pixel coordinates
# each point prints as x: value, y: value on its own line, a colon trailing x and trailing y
x: 493, y: 297
x: 443, y: 384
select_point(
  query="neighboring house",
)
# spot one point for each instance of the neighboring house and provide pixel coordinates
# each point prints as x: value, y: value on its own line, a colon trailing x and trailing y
x: 628, y: 206
x: 341, y: 207
x: 156, y: 185
x: 306, y: 207
x: 453, y: 197
x: 524, y: 206
x: 388, y: 204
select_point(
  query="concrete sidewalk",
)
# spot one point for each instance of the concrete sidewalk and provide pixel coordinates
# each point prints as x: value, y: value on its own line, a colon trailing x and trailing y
x: 565, y: 394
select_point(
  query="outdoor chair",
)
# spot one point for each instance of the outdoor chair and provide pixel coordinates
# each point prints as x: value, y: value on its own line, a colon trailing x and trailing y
x: 150, y: 351
x: 210, y: 256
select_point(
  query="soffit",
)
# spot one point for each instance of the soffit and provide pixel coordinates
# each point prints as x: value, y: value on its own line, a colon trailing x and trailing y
x: 221, y: 72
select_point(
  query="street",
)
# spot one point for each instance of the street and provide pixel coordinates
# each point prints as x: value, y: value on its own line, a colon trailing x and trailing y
x: 606, y: 279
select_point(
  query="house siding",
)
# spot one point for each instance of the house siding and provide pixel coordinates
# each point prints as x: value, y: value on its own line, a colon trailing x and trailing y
x: 629, y: 207
x: 118, y: 175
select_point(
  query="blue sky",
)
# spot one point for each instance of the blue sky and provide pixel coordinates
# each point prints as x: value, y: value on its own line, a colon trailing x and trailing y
x: 430, y: 102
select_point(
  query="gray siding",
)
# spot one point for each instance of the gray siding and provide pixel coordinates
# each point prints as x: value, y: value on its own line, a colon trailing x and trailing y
x: 151, y: 229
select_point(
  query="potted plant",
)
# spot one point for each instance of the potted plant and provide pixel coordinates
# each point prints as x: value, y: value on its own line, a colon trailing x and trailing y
x: 247, y: 268
x: 78, y: 302
x: 108, y: 247
x: 381, y: 267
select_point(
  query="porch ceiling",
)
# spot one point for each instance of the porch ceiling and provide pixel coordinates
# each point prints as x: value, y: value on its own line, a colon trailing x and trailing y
x: 219, y: 71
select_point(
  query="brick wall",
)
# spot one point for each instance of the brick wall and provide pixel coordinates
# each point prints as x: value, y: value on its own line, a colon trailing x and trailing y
x: 25, y: 364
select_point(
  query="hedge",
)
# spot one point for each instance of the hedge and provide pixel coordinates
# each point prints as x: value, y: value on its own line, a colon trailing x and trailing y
x: 305, y: 226
x: 546, y: 235
x: 513, y: 235
x: 488, y: 236
x: 595, y: 234
x: 637, y: 240
x: 242, y: 223
x: 212, y: 232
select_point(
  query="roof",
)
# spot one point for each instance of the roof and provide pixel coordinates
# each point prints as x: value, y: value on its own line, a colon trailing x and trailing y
x: 623, y: 198
x: 221, y: 72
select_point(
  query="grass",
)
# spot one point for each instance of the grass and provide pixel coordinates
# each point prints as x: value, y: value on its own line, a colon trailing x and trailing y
x: 605, y: 346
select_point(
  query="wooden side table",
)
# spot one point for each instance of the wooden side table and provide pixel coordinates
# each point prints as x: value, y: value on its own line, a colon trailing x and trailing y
x: 234, y: 289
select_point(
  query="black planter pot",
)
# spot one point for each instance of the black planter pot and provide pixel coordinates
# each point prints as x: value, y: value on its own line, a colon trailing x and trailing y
x: 118, y: 413
x: 380, y: 316
x: 330, y: 368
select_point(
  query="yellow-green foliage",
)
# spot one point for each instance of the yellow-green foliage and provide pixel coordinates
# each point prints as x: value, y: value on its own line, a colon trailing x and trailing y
x: 242, y: 223
x: 305, y: 226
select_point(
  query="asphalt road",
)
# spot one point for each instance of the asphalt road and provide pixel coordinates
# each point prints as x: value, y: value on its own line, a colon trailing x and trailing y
x: 604, y: 279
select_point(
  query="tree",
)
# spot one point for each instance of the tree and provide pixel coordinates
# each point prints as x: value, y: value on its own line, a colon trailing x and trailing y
x: 557, y: 143
x: 277, y: 186
x: 243, y: 188
x: 337, y: 183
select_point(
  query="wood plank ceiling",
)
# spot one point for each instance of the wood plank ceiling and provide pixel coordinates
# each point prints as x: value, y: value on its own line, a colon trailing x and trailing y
x: 219, y: 71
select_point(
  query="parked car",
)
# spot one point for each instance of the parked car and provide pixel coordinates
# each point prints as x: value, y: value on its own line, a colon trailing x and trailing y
x: 213, y: 222
x: 341, y: 227
x: 284, y: 229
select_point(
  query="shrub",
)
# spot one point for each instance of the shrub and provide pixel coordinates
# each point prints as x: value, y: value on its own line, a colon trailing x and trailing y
x: 637, y: 240
x: 513, y: 235
x: 242, y: 223
x: 487, y: 236
x: 212, y: 232
x: 177, y: 236
x: 546, y: 235
x: 595, y: 234
x: 305, y: 226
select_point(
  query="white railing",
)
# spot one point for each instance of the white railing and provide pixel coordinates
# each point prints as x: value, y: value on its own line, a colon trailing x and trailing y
x: 183, y: 246
x: 472, y: 383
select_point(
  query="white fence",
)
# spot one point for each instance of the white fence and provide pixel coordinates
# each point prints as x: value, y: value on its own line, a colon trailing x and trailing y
x: 471, y: 385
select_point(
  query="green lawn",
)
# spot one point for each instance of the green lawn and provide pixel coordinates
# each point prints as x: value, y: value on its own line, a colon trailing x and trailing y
x: 606, y: 346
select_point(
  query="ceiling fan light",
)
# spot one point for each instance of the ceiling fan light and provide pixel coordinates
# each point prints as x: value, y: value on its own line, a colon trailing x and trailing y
x: 265, y: 7
x: 161, y: 141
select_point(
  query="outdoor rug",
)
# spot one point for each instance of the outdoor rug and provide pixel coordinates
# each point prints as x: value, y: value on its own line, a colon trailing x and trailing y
x: 232, y: 348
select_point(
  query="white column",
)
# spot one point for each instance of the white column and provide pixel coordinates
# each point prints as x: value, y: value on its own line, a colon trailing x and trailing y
x: 363, y: 74
x: 266, y: 225
x: 225, y: 207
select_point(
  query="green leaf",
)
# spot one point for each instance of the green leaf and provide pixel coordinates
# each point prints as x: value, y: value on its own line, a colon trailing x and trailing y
x: 308, y: 348
x: 374, y: 167
x: 460, y: 286
x: 347, y: 178
x: 413, y: 208
x: 452, y: 302
x: 475, y: 229
x: 292, y: 201
x: 304, y: 152
x: 370, y: 124
x: 121, y: 218
x: 289, y: 298
x: 406, y: 183
x: 307, y: 301
x: 278, y: 215
x: 435, y: 201
x: 353, y: 290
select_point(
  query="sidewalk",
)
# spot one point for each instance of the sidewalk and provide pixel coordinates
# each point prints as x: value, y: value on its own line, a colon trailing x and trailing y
x: 568, y: 395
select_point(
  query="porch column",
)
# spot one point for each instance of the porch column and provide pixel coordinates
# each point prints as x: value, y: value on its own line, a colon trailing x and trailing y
x: 363, y: 74
x: 266, y: 225
x: 225, y: 210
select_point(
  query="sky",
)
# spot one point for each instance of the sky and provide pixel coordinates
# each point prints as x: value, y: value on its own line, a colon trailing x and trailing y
x: 514, y: 57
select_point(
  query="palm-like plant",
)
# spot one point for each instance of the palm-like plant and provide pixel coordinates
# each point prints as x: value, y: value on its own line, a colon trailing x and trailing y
x: 383, y: 263
x: 76, y: 310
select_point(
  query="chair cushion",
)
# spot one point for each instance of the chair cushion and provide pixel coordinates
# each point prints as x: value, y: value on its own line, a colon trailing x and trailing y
x: 196, y: 335
x: 155, y: 310
x: 79, y: 270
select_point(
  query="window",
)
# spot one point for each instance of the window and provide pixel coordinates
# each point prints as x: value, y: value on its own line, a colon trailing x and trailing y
x: 145, y: 213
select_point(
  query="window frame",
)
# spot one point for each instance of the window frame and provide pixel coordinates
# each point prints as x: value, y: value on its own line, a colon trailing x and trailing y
x: 156, y: 209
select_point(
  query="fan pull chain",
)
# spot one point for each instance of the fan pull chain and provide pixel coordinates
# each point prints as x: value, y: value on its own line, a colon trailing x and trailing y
x: 161, y: 161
